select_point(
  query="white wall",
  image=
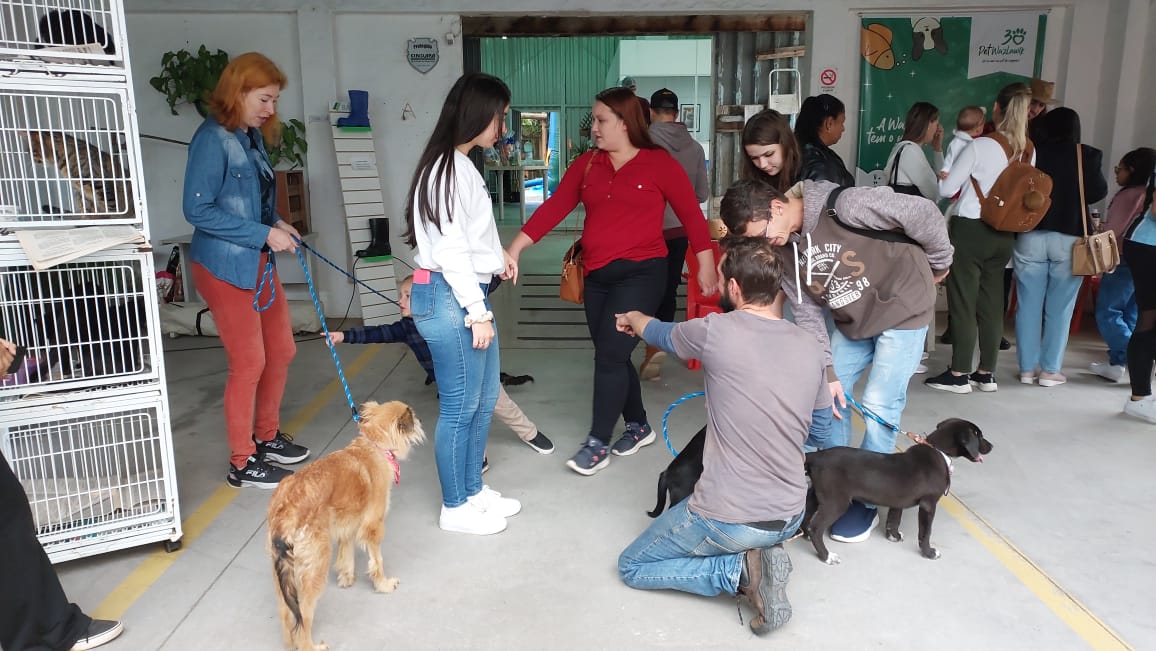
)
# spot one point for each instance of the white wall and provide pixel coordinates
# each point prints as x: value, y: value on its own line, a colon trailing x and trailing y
x: 683, y: 66
x: 1100, y: 53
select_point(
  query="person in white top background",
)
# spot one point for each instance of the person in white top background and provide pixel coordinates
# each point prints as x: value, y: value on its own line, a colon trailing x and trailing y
x: 907, y: 168
x: 975, y: 285
x: 450, y: 221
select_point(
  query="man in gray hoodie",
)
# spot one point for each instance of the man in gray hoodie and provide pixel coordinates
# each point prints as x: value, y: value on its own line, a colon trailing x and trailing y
x: 674, y: 137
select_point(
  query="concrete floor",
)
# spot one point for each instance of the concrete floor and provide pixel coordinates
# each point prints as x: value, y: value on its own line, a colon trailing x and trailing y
x: 1030, y: 539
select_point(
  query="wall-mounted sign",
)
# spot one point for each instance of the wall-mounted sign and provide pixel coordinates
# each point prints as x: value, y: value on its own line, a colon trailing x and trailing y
x: 422, y: 53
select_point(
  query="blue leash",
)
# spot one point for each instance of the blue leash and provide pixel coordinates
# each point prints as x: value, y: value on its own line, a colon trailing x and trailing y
x: 665, y: 431
x: 325, y: 329
x: 867, y: 413
x: 345, y: 273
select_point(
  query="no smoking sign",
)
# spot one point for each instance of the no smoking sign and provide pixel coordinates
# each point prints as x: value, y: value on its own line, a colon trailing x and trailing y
x: 827, y: 79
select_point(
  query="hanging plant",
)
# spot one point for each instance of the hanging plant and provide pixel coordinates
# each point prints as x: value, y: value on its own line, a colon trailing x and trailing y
x: 189, y: 78
x: 292, y: 148
x: 585, y: 124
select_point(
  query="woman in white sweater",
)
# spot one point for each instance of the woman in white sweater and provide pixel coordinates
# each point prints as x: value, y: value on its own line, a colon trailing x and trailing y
x: 908, y: 170
x: 451, y: 223
x: 975, y: 285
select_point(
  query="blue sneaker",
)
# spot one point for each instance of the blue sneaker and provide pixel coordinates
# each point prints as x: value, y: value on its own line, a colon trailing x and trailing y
x: 856, y: 524
x: 635, y: 436
x: 590, y: 458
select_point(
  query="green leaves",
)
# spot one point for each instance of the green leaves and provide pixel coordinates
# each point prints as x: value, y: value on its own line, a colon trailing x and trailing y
x: 189, y: 78
x: 292, y: 148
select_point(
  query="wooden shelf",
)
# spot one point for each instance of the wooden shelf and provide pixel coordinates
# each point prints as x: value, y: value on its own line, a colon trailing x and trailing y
x: 781, y: 53
x: 293, y: 199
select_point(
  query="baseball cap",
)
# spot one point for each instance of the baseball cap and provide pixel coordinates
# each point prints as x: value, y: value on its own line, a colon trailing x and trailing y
x: 664, y: 99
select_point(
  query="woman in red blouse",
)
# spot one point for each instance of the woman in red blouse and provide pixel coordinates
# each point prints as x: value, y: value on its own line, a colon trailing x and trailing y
x: 624, y: 185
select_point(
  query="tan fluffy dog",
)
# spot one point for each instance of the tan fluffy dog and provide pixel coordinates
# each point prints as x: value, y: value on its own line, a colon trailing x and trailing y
x: 343, y: 496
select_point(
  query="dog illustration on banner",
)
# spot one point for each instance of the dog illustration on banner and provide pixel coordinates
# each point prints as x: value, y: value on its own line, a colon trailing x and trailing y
x: 926, y: 34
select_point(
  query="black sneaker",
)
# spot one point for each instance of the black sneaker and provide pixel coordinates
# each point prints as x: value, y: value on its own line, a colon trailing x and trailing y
x: 541, y: 444
x: 1004, y: 344
x: 983, y: 381
x: 636, y: 436
x: 946, y: 381
x: 485, y: 464
x: 100, y: 631
x: 257, y: 473
x: 282, y: 449
x: 590, y: 458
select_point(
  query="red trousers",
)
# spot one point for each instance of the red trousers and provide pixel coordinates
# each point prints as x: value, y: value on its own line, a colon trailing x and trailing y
x: 259, y: 347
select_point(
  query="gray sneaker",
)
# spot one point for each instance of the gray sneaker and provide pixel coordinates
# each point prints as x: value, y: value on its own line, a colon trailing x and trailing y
x: 257, y: 473
x: 772, y: 590
x: 590, y: 458
x: 636, y: 436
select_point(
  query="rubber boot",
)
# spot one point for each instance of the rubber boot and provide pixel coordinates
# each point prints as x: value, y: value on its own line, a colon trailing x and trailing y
x: 358, y: 110
x: 379, y: 239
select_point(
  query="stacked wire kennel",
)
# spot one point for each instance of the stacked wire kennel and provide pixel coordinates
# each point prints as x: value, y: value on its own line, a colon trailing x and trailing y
x: 84, y: 420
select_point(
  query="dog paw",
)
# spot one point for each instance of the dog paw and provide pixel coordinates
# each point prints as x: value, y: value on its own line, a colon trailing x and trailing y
x: 388, y: 584
x: 833, y: 559
x: 931, y: 554
x: 895, y: 536
x: 321, y: 646
x: 345, y: 579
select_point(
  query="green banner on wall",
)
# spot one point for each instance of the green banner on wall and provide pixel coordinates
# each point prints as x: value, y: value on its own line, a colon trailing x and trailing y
x: 951, y: 62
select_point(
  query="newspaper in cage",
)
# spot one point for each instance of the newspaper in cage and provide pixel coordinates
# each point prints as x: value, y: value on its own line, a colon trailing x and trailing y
x: 48, y: 248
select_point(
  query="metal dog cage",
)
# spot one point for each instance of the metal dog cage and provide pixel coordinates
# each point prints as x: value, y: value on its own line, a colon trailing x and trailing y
x: 99, y: 474
x: 87, y: 324
x: 68, y: 156
x: 63, y: 33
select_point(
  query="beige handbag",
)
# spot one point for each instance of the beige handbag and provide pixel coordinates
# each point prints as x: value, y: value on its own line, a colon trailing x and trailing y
x: 1092, y: 254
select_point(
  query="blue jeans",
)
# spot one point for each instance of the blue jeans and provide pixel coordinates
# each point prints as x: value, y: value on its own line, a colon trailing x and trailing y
x: 893, y: 357
x: 682, y: 550
x: 1046, y: 295
x: 822, y: 433
x: 467, y: 386
x: 1116, y: 312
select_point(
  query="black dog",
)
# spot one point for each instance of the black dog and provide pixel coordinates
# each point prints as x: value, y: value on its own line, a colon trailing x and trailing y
x: 514, y: 380
x: 920, y: 475
x: 681, y: 475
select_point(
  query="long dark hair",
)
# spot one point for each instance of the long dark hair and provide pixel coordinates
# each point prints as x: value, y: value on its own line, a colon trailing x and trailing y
x: 813, y: 113
x: 1141, y: 163
x: 626, y: 106
x: 473, y: 103
x: 769, y: 127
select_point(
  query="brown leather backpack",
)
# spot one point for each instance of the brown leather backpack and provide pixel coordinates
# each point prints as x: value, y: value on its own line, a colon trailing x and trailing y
x: 1020, y: 196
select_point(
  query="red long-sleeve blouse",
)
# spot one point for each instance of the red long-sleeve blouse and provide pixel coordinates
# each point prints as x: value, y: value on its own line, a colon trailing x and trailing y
x: 624, y: 208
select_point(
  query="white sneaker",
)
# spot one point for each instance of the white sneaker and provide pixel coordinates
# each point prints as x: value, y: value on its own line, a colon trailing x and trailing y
x: 1110, y: 372
x: 921, y: 369
x: 492, y: 501
x: 471, y: 518
x: 1144, y: 409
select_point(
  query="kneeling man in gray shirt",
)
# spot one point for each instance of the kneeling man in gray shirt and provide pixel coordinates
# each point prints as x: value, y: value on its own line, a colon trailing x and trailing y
x: 763, y: 377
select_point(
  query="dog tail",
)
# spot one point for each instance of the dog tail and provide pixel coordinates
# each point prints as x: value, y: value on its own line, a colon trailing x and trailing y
x: 283, y: 568
x: 658, y: 508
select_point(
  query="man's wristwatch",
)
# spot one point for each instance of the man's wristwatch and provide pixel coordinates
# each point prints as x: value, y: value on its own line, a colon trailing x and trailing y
x: 481, y: 318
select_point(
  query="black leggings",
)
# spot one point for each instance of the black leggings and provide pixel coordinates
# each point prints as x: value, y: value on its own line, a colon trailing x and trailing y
x: 620, y: 286
x: 1141, y: 259
x: 675, y: 259
x: 34, y: 613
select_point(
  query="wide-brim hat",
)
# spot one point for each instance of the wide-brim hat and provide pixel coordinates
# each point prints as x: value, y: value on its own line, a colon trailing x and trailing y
x: 1043, y: 91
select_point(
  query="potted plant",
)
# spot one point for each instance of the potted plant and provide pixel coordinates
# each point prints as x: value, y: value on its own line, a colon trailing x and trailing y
x: 584, y: 125
x: 292, y: 194
x: 188, y: 78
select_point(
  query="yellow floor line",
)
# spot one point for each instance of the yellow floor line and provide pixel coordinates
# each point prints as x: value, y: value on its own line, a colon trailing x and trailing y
x: 146, y: 574
x: 1076, y: 615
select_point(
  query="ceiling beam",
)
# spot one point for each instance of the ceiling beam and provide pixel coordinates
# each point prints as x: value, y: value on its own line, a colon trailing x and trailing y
x: 628, y: 25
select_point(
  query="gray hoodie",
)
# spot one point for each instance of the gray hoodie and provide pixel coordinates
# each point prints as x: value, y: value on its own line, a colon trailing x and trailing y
x: 674, y: 138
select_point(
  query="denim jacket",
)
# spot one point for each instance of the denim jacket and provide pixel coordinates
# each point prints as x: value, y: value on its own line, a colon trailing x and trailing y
x: 223, y: 203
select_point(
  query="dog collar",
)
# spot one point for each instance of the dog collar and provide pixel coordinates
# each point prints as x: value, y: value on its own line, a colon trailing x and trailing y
x: 950, y: 470
x: 393, y: 462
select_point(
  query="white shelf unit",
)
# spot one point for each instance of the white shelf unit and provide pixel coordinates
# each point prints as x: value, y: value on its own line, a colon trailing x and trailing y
x: 99, y: 473
x: 361, y: 194
x: 84, y: 422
